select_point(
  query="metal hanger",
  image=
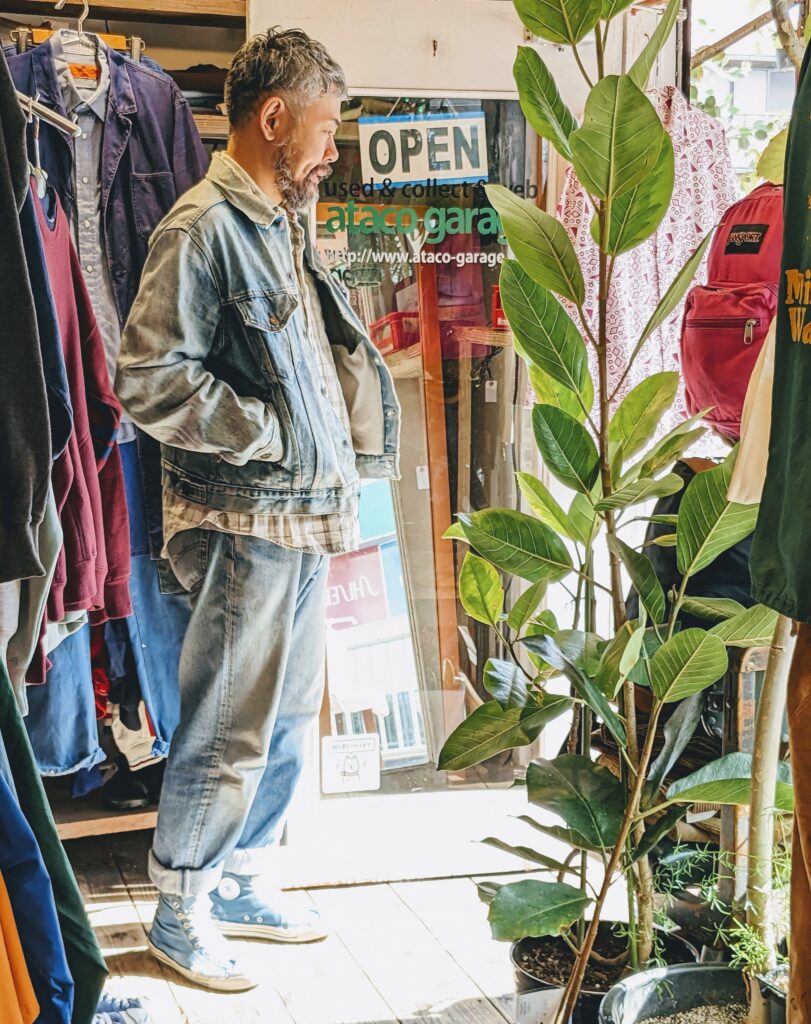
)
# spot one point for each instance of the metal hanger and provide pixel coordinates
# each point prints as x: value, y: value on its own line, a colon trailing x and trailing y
x: 82, y: 17
x: 39, y: 110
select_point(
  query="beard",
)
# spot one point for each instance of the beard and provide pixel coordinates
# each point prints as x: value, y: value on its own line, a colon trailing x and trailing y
x: 297, y: 193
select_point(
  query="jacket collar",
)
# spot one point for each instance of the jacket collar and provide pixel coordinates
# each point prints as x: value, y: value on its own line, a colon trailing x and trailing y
x: 46, y: 82
x: 241, y: 191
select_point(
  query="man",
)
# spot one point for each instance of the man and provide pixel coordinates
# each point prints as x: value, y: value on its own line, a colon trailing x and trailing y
x: 243, y: 357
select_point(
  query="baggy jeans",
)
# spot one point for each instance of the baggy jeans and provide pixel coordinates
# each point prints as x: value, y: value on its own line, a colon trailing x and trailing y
x: 799, y: 728
x: 251, y: 686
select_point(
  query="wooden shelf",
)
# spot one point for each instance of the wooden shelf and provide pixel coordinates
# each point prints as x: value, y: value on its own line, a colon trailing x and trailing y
x: 211, y: 126
x: 85, y: 816
x: 195, y: 12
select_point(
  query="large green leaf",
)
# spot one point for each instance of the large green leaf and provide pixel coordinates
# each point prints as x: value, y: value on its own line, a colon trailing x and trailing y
x: 666, y: 451
x: 541, y: 102
x: 560, y: 21
x: 643, y: 65
x: 675, y: 293
x: 619, y: 659
x: 561, y: 834
x: 708, y: 523
x: 581, y: 649
x: 567, y: 448
x: 588, y: 797
x: 539, y: 498
x: 688, y: 663
x: 517, y: 543
x: 751, y: 628
x: 712, y: 609
x: 585, y: 688
x: 489, y: 730
x: 480, y: 590
x: 640, y: 491
x: 679, y: 729
x: 640, y: 412
x: 638, y: 213
x: 506, y: 682
x: 524, y: 608
x: 531, y: 908
x: 540, y: 242
x: 619, y: 141
x: 549, y: 392
x: 543, y: 331
x: 527, y: 853
x: 611, y: 8
x: 643, y: 577
x: 729, y: 781
x: 772, y: 162
x: 583, y: 521
x: 454, y: 532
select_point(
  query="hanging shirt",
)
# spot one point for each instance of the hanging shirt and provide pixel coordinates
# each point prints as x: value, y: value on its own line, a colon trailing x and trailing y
x: 317, y: 534
x: 782, y: 549
x: 18, y: 1002
x: 705, y: 186
x: 86, y: 102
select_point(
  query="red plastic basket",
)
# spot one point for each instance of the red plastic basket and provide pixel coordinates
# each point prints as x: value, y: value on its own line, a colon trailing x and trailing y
x: 395, y: 331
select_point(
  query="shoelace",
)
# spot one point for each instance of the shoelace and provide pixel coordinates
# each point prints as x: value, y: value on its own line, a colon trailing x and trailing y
x: 204, y: 936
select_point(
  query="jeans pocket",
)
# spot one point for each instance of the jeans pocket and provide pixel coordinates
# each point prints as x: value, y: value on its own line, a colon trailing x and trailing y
x: 188, y: 557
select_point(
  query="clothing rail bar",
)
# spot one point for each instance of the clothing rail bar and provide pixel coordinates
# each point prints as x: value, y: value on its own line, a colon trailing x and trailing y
x: 44, y: 113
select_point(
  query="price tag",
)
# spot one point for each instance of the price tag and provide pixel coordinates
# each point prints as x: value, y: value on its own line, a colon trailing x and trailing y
x: 491, y: 391
x: 539, y: 1007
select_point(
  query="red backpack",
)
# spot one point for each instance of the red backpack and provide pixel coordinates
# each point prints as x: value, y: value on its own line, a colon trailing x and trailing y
x: 726, y: 320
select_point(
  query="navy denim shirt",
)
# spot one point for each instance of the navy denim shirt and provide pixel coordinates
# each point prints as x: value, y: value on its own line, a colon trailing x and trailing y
x: 151, y: 155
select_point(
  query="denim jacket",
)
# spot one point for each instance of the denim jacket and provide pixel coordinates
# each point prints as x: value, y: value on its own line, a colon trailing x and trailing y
x: 152, y: 154
x: 214, y: 363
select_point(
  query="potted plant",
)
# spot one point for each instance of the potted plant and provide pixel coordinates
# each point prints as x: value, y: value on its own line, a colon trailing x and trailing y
x: 606, y: 452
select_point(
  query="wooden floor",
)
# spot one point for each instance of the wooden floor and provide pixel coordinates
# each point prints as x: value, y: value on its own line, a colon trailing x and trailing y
x: 401, y: 952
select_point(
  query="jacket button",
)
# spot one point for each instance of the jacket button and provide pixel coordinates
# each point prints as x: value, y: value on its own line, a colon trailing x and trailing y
x: 273, y: 321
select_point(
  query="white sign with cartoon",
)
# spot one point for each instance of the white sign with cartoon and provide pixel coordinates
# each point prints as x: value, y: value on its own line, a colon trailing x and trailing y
x: 350, y: 764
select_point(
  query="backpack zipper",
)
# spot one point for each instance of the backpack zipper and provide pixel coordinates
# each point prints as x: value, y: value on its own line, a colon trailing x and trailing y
x: 747, y: 323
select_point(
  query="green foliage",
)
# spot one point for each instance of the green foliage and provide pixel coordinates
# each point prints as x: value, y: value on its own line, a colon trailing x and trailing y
x: 568, y: 449
x: 610, y: 458
x: 540, y: 243
x: 560, y: 21
x: 585, y: 795
x: 534, y: 908
x: 544, y: 333
x: 686, y: 664
x: 518, y: 544
x: 480, y: 590
x: 619, y: 141
x: 728, y: 781
x: 540, y: 101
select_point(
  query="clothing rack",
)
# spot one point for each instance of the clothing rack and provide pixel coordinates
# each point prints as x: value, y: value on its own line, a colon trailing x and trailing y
x: 37, y: 109
x: 25, y: 38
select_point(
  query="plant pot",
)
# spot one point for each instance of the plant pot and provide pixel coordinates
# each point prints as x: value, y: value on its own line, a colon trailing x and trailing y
x: 537, y: 999
x: 666, y: 990
x: 775, y: 1001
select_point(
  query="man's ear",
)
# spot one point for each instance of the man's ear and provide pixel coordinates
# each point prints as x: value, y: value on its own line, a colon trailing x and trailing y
x: 270, y: 114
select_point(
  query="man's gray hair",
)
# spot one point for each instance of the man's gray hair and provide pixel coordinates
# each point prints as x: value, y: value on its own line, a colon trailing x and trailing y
x: 287, y: 63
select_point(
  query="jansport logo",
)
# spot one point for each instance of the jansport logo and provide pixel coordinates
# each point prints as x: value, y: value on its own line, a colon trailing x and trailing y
x: 745, y: 238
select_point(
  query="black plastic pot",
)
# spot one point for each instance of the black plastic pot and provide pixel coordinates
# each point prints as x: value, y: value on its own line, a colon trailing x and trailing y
x: 775, y: 1000
x: 676, y: 951
x: 666, y: 990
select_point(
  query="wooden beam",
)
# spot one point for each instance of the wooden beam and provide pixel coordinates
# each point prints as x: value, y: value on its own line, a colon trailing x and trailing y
x: 189, y: 12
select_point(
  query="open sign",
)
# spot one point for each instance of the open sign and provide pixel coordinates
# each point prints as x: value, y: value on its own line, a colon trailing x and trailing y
x: 423, y: 148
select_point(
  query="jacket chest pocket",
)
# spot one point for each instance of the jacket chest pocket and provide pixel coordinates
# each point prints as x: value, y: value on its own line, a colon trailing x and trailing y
x: 265, y: 319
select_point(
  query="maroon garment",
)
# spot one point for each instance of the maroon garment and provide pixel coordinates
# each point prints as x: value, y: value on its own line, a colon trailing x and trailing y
x: 94, y: 565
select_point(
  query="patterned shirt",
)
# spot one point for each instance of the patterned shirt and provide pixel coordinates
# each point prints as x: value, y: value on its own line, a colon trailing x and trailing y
x: 329, y: 534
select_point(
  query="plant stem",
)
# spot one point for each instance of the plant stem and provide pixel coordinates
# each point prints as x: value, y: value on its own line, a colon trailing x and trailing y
x: 590, y: 622
x: 765, y: 759
x: 575, y: 983
x: 583, y: 71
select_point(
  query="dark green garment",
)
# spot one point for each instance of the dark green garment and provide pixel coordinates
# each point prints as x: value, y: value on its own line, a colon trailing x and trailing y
x: 781, y: 553
x: 83, y: 954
